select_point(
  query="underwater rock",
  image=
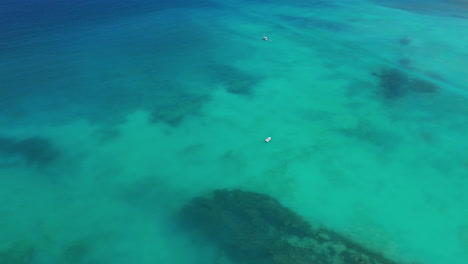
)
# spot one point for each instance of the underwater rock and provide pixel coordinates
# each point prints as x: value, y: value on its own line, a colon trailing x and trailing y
x: 254, y: 228
x: 395, y: 84
x: 75, y: 253
x: 365, y: 131
x: 236, y: 81
x: 173, y: 113
x: 422, y: 86
x: 37, y: 151
x: 405, y: 62
x: 175, y: 103
x: 405, y: 40
x: 18, y: 253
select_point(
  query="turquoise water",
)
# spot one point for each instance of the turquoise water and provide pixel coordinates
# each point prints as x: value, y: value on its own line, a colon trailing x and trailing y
x: 115, y: 115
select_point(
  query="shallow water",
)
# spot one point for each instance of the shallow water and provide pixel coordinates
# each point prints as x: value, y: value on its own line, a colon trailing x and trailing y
x: 115, y: 115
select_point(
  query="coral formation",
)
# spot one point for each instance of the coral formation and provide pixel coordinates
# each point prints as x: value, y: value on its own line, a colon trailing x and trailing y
x: 18, y: 253
x: 175, y: 103
x: 236, y: 81
x: 395, y: 84
x: 36, y: 151
x: 173, y: 113
x: 405, y: 62
x: 405, y: 40
x: 254, y: 228
x: 422, y: 86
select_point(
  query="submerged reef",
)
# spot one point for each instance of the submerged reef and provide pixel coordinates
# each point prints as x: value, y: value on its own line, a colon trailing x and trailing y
x: 254, y: 228
x: 175, y: 103
x: 173, y: 113
x: 395, y: 84
x: 19, y: 253
x: 36, y: 151
x: 405, y: 40
x: 75, y: 252
x: 235, y: 80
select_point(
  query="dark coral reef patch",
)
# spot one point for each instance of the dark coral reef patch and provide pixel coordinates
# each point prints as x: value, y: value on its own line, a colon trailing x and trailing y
x: 18, y: 253
x: 254, y: 228
x: 395, y: 84
x: 175, y: 103
x: 37, y: 151
x: 235, y: 80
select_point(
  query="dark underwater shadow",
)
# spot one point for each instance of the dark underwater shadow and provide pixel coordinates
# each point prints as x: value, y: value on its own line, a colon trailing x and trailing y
x: 254, y: 228
x: 33, y: 151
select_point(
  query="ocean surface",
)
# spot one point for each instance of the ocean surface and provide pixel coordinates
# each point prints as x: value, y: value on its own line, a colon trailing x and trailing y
x: 115, y: 114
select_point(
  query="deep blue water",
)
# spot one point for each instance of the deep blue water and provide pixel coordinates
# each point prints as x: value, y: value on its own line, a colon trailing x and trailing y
x: 44, y: 46
x: 42, y: 14
x: 456, y: 8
